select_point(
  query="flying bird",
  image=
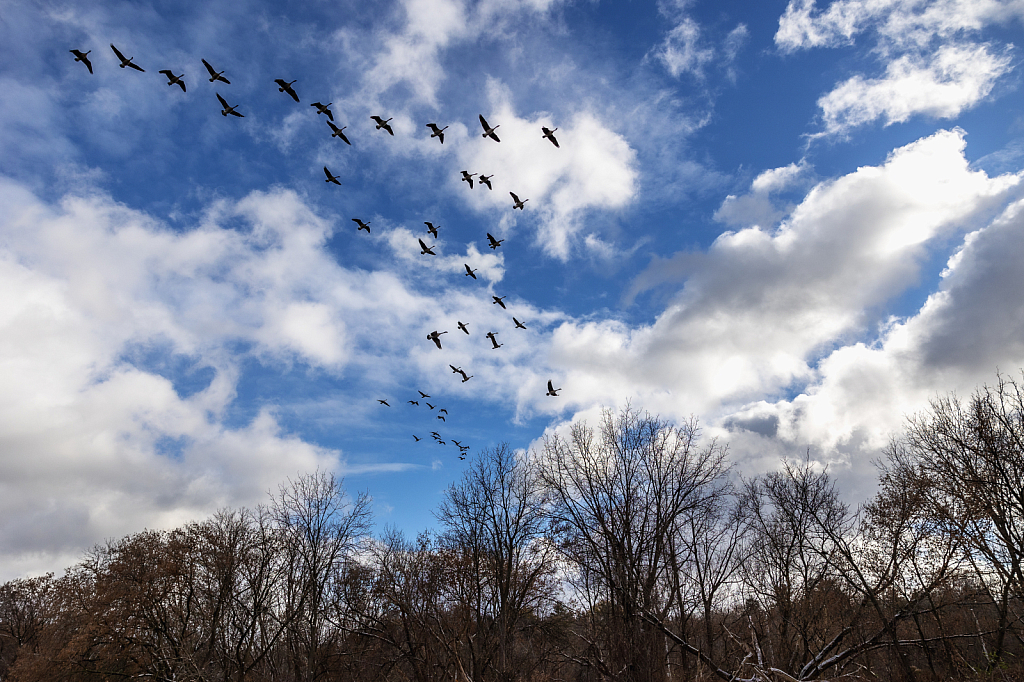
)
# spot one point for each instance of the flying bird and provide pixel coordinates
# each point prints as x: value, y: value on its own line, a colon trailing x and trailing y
x: 488, y: 130
x: 498, y: 300
x: 518, y: 204
x: 418, y: 439
x: 468, y: 177
x: 81, y: 57
x: 286, y: 86
x: 430, y: 228
x: 422, y: 394
x: 331, y: 178
x: 381, y: 123
x: 443, y: 410
x: 456, y: 370
x: 550, y: 134
x: 430, y: 406
x: 434, y: 336
x: 466, y: 378
x: 441, y: 442
x: 457, y: 442
x: 362, y: 225
x: 338, y: 132
x: 462, y: 326
x: 442, y: 419
x: 126, y: 61
x: 437, y: 132
x: 494, y: 341
x: 425, y: 249
x: 470, y: 271
x: 229, y: 109
x: 519, y: 324
x: 486, y: 180
x: 413, y: 402
x: 435, y: 434
x: 214, y: 74
x: 383, y: 402
x: 552, y: 391
x: 322, y: 109
x: 493, y: 243
x: 172, y: 79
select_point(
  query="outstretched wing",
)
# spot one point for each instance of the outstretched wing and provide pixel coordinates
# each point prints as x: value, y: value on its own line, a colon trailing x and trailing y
x: 117, y: 52
x: 167, y: 72
x: 483, y: 122
x: 551, y: 389
x: 213, y: 71
x: 223, y: 102
x: 514, y: 197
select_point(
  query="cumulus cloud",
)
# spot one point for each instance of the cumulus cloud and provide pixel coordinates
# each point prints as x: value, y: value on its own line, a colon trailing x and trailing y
x: 766, y: 311
x: 934, y: 65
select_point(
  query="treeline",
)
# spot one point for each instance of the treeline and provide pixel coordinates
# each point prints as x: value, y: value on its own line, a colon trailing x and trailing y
x: 623, y: 552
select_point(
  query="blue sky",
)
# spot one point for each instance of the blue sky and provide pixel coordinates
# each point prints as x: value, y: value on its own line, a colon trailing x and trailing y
x: 795, y: 220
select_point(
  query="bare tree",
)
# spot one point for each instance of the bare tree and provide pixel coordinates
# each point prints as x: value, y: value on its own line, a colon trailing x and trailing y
x: 618, y: 495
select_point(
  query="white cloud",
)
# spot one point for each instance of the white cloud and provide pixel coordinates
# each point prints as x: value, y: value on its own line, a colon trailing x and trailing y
x: 940, y: 85
x: 934, y: 65
x: 683, y: 51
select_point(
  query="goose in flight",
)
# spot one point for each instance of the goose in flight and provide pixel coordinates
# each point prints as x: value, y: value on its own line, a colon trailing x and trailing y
x: 413, y: 402
x: 214, y: 74
x: 486, y: 180
x: 430, y: 406
x: 286, y: 86
x: 229, y: 109
x: 331, y: 178
x: 422, y: 394
x: 381, y: 123
x: 338, y: 132
x: 519, y: 325
x: 81, y: 57
x: 437, y: 132
x: 172, y: 79
x: 435, y: 435
x: 552, y: 391
x: 519, y: 204
x: 126, y: 61
x: 550, y: 134
x: 470, y: 271
x: 459, y: 443
x: 383, y: 402
x: 425, y: 249
x: 443, y: 410
x: 362, y: 225
x: 456, y: 370
x: 466, y: 378
x: 431, y: 228
x: 322, y: 109
x: 492, y: 242
x: 488, y: 130
x: 442, y: 419
x: 434, y: 336
x: 463, y: 327
x: 494, y: 341
x: 468, y: 177
x: 498, y: 300
x: 418, y: 439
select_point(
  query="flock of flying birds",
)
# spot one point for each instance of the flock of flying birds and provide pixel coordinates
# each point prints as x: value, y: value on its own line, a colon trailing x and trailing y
x: 382, y: 124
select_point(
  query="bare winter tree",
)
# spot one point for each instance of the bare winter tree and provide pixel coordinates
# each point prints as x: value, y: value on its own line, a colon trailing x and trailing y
x: 618, y: 496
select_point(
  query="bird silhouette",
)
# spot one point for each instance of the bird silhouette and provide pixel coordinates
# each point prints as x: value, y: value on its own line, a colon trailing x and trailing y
x: 425, y: 249
x: 499, y: 300
x: 435, y: 336
x: 431, y: 228
x: 494, y: 341
x: 488, y: 130
x: 518, y: 204
x: 466, y: 378
x: 470, y: 271
x: 430, y: 406
x: 338, y: 132
x: 381, y: 123
x: 441, y: 442
x: 492, y: 242
x: 322, y: 109
x: 331, y: 178
x: 443, y: 410
x: 81, y: 57
x: 126, y: 61
x: 214, y: 74
x: 383, y: 402
x: 442, y: 419
x: 519, y: 324
x: 227, y: 108
x: 552, y: 391
x: 286, y: 86
x: 468, y: 177
x: 435, y: 434
x: 422, y: 394
x: 550, y: 134
x: 457, y: 442
x: 413, y: 402
x: 455, y: 370
x: 437, y: 132
x: 461, y: 457
x: 486, y: 180
x: 362, y: 225
x: 172, y: 79
x: 418, y: 439
x: 462, y: 326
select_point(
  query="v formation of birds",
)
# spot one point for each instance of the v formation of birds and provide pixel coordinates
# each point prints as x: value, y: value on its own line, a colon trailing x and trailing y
x: 381, y: 124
